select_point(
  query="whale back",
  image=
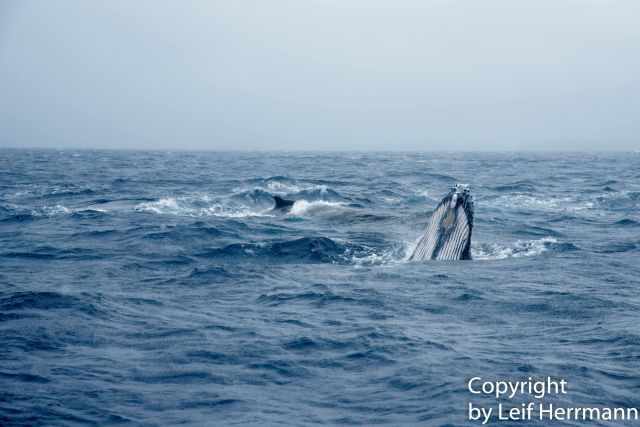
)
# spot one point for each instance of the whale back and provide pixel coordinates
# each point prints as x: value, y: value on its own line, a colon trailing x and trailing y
x: 448, y: 234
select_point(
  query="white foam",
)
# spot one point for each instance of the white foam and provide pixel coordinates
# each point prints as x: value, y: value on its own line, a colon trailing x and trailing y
x: 392, y: 200
x: 375, y: 259
x: 520, y: 248
x: 624, y: 195
x: 304, y: 207
x: 164, y: 205
x: 368, y: 258
x: 192, y: 206
x: 526, y: 201
x: 480, y: 252
x: 56, y: 210
x: 410, y: 247
x: 283, y: 188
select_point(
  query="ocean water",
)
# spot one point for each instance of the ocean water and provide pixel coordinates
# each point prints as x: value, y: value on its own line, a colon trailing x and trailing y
x: 160, y: 288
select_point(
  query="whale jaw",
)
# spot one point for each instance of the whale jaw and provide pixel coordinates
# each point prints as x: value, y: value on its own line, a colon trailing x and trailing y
x: 448, y: 234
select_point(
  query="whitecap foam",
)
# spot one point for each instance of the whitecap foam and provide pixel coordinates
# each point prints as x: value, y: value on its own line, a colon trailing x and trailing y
x: 525, y: 201
x: 392, y: 200
x: 424, y: 193
x: 281, y: 188
x: 374, y: 259
x: 197, y: 206
x: 55, y: 210
x: 626, y: 197
x: 305, y: 207
x: 366, y: 256
x: 520, y: 248
x: 494, y: 251
x: 164, y: 205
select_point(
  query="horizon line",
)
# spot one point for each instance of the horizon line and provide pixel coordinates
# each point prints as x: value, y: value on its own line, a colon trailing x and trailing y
x: 295, y: 150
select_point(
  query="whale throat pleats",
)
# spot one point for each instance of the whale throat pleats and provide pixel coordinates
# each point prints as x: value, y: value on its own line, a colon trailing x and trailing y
x: 448, y: 234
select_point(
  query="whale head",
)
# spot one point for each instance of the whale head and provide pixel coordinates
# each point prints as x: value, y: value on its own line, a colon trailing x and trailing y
x: 461, y: 199
x: 448, y: 234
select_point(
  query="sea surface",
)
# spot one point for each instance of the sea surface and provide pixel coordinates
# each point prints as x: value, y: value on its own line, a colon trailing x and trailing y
x: 160, y: 288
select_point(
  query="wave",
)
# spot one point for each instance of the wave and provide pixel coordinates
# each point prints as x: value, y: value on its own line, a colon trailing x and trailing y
x: 187, y: 233
x: 304, y: 207
x: 520, y: 248
x: 198, y: 207
x: 45, y: 253
x: 607, y: 199
x: 115, y: 204
x: 56, y: 193
x: 440, y: 177
x: 49, y: 191
x: 17, y: 218
x: 47, y: 301
x: 310, y: 250
x: 497, y: 251
x: 618, y: 247
x: 15, y: 213
x: 523, y: 186
x: 536, y: 231
x: 314, y: 250
x: 321, y: 194
x: 255, y: 203
x: 54, y: 210
x: 418, y: 196
x: 282, y: 185
x: 256, y: 198
x: 607, y: 183
x: 627, y: 222
x: 250, y: 204
x: 619, y: 200
x: 553, y: 203
x: 305, y: 249
x: 88, y: 213
x: 366, y: 256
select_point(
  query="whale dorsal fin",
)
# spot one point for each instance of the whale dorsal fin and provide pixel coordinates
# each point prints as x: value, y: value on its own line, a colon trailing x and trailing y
x: 282, y: 203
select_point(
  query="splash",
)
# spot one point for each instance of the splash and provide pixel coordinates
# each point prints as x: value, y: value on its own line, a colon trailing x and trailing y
x: 283, y: 186
x: 198, y: 206
x: 304, y: 207
x: 364, y: 256
x: 164, y: 205
x: 279, y: 187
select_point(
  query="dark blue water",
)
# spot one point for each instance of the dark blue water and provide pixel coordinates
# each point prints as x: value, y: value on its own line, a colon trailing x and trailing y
x: 157, y: 288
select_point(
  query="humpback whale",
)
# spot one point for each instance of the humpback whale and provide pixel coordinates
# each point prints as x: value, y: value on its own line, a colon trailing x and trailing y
x: 448, y: 234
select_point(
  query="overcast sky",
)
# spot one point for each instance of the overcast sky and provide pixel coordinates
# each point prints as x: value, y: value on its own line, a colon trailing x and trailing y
x: 321, y: 74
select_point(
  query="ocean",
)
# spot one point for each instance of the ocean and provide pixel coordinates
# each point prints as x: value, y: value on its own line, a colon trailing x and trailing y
x: 161, y: 288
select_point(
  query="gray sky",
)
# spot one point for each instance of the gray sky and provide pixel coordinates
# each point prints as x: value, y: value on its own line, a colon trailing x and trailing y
x: 321, y: 74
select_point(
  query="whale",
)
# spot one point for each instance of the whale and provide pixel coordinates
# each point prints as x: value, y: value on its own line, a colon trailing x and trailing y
x: 448, y: 233
x: 282, y: 205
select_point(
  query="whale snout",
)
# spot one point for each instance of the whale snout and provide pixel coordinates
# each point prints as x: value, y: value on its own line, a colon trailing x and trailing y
x: 454, y: 200
x: 460, y: 195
